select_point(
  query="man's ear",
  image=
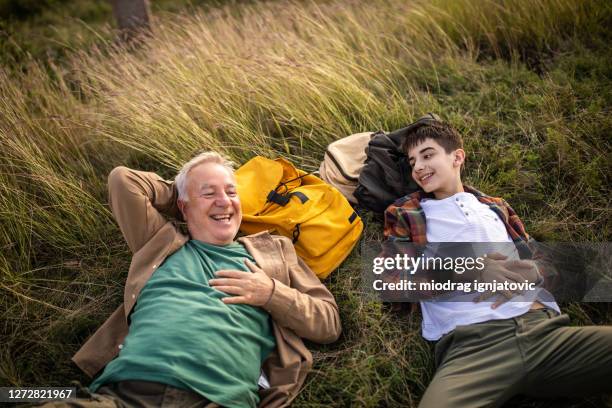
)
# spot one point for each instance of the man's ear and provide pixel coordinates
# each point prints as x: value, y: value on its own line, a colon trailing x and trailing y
x: 182, y: 206
x: 459, y: 157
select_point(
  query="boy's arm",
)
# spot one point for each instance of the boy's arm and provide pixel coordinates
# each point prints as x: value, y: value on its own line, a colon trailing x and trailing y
x: 398, y: 230
x: 137, y: 200
x: 397, y: 224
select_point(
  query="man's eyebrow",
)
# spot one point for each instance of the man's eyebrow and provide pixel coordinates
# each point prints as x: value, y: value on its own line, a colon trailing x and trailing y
x: 421, y: 151
x: 206, y: 185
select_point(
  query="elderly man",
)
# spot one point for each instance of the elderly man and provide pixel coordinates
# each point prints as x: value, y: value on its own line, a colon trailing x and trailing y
x: 206, y: 320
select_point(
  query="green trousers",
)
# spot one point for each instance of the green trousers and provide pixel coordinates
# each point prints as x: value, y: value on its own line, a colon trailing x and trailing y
x: 536, y: 354
x: 136, y: 394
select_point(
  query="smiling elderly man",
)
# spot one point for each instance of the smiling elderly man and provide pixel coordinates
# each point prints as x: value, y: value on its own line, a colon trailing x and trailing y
x: 203, y: 315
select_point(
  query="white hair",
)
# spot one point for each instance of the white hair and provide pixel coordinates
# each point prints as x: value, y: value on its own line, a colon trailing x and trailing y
x: 206, y: 157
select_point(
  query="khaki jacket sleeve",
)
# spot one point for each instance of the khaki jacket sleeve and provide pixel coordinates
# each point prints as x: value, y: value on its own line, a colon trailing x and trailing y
x: 137, y: 200
x: 305, y: 306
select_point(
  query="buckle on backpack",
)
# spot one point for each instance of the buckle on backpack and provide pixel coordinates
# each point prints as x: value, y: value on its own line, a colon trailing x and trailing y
x: 277, y: 198
x: 296, y: 234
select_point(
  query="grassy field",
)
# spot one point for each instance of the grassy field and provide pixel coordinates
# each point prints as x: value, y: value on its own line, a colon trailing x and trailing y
x: 527, y: 83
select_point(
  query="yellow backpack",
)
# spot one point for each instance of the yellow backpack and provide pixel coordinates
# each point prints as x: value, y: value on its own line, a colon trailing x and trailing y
x: 278, y: 197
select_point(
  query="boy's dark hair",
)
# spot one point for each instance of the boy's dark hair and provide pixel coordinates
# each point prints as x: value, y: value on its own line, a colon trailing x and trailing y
x: 444, y: 134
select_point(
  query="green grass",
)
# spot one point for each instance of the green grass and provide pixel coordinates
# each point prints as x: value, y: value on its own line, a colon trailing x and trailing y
x: 528, y: 84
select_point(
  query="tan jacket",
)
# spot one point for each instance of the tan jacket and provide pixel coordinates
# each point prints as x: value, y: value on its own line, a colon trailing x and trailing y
x: 300, y: 306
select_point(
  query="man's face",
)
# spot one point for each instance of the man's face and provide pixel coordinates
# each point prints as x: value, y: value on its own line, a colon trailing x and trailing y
x: 213, y: 212
x: 434, y: 170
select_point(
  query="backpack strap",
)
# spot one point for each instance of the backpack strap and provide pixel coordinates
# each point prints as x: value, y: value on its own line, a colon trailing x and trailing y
x: 283, y: 199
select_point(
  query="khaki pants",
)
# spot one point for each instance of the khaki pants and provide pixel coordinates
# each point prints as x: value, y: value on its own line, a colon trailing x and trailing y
x: 132, y: 394
x: 536, y: 354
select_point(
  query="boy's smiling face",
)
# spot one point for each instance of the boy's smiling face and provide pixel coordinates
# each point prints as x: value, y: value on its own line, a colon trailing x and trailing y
x: 436, y: 171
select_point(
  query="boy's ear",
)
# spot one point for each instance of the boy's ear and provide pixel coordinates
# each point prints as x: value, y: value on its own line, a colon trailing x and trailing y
x: 459, y: 157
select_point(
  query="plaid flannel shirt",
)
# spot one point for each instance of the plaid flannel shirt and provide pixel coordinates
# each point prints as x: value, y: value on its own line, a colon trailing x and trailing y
x: 405, y: 221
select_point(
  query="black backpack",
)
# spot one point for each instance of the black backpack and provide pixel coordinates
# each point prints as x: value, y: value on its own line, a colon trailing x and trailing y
x: 386, y: 174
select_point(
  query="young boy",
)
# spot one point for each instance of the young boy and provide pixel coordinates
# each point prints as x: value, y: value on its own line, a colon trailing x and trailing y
x: 489, y: 352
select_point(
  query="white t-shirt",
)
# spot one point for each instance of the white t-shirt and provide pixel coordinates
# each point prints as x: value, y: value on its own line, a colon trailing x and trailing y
x: 462, y: 218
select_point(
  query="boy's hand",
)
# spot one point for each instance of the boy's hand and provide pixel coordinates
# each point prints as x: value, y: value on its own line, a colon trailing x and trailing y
x: 527, y: 269
x: 498, y: 268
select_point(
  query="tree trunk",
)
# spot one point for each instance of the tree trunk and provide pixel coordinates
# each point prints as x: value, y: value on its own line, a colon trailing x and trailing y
x: 132, y: 18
